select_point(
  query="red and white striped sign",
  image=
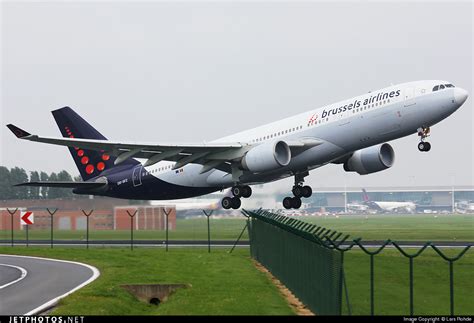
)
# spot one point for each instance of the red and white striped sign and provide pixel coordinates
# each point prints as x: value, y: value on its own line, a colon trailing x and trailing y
x: 27, y: 218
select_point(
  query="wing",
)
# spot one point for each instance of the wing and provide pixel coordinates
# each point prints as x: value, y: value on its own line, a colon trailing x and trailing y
x: 209, y: 155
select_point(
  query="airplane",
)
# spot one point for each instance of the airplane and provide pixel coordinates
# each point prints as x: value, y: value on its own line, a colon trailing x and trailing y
x: 388, y: 206
x: 353, y: 132
x: 356, y: 207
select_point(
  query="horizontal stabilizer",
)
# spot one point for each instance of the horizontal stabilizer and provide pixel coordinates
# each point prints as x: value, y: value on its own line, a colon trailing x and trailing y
x: 83, y: 185
x: 19, y: 133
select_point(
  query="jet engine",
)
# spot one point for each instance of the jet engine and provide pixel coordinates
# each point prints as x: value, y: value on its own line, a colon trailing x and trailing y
x: 267, y: 156
x: 370, y: 160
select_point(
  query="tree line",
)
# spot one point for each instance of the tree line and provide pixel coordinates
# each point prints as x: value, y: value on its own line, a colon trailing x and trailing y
x: 16, y: 175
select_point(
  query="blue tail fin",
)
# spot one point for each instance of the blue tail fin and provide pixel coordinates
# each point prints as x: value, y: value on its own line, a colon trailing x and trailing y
x: 90, y: 163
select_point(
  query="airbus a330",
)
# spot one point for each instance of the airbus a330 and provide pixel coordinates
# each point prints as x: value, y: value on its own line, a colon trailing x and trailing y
x: 353, y: 133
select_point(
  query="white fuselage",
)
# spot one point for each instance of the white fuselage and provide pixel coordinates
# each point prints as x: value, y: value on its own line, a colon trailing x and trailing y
x: 344, y: 127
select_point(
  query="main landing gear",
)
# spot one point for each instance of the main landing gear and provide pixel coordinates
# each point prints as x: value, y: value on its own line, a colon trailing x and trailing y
x: 424, y: 132
x: 238, y: 191
x: 299, y: 191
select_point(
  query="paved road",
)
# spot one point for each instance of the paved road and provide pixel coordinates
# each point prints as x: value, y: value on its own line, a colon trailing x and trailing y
x: 9, y: 274
x: 46, y: 281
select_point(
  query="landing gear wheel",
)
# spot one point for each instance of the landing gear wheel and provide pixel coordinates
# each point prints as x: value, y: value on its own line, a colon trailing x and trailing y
x: 424, y: 146
x: 237, y: 191
x: 421, y: 146
x: 296, y: 202
x: 287, y: 203
x: 236, y: 203
x: 307, y: 191
x: 297, y: 191
x: 246, y: 191
x: 427, y: 146
x: 226, y: 202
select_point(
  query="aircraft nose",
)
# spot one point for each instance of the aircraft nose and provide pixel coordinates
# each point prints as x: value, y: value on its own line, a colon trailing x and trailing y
x: 460, y: 95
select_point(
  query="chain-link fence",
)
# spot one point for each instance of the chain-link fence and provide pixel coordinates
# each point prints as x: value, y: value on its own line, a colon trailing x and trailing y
x: 309, y: 260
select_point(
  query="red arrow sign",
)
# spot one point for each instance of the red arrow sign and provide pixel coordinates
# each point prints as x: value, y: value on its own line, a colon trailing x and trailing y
x: 25, y: 217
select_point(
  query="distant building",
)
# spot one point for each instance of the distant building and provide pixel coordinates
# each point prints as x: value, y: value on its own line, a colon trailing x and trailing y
x: 105, y: 215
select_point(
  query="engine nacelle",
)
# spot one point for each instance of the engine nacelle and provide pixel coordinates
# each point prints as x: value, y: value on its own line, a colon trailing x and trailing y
x: 267, y: 156
x: 370, y: 160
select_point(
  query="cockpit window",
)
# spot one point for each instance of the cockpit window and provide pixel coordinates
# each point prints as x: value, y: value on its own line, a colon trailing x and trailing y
x: 442, y: 86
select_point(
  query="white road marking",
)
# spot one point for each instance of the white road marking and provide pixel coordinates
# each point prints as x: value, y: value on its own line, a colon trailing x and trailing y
x: 23, y: 271
x: 52, y: 302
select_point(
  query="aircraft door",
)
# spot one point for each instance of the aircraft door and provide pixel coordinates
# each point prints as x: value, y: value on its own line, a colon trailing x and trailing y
x: 409, y: 94
x: 137, y: 176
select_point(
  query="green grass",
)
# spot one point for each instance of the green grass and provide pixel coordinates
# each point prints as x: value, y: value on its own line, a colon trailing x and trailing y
x: 414, y: 227
x: 222, y: 283
x: 229, y: 284
x: 431, y: 283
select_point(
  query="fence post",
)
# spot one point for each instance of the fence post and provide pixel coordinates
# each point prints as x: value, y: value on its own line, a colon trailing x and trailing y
x: 451, y: 288
x: 131, y: 227
x: 372, y: 271
x: 87, y: 224
x: 208, y: 230
x: 51, y: 213
x: 167, y: 225
x: 451, y: 272
x: 411, y: 257
x: 11, y: 214
x: 241, y: 233
x: 344, y: 284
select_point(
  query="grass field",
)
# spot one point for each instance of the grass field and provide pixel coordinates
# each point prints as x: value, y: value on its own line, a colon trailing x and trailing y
x: 431, y: 283
x: 225, y: 283
x: 418, y: 227
x: 222, y: 283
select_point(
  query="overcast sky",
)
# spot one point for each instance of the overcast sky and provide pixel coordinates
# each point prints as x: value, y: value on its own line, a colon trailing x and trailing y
x: 192, y: 71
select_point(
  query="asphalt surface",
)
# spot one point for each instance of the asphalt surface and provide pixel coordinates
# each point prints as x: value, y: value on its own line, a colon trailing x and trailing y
x: 45, y: 281
x: 8, y: 274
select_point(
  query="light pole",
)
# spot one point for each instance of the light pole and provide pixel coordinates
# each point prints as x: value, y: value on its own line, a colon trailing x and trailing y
x: 345, y: 195
x: 452, y: 193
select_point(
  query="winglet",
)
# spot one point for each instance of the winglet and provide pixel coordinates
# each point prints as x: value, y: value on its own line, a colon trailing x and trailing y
x: 19, y: 133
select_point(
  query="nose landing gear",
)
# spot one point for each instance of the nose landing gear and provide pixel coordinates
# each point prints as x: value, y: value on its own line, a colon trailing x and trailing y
x: 424, y: 132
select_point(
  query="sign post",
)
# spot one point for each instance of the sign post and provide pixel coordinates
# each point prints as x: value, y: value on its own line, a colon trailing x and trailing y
x: 11, y: 213
x: 27, y: 218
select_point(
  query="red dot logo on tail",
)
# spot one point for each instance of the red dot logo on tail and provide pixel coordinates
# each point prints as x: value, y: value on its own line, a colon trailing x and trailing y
x: 100, y: 166
x: 89, y: 169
